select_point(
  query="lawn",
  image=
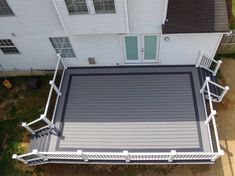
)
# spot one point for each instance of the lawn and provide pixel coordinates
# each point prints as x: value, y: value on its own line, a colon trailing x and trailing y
x: 232, y: 18
x: 20, y: 104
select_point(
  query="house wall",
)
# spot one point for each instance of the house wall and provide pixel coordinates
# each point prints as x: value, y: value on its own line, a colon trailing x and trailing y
x: 145, y: 16
x: 31, y: 18
x: 36, y: 52
x: 104, y: 48
x: 96, y: 23
x: 184, y: 49
x: 92, y: 35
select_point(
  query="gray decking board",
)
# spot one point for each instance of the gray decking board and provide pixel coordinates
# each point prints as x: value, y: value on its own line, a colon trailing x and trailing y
x: 147, y: 108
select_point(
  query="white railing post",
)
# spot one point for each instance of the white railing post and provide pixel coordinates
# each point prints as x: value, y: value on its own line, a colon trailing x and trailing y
x: 172, y: 155
x: 55, y: 87
x: 16, y: 157
x: 85, y: 158
x: 205, y: 84
x: 62, y: 60
x: 199, y: 59
x: 27, y: 127
x: 226, y: 88
x: 213, y: 113
x: 217, y: 67
x: 127, y: 157
x: 220, y: 153
x: 43, y: 117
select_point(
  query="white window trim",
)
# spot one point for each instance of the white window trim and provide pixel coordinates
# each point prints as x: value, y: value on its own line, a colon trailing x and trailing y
x: 91, y: 9
x: 10, y: 47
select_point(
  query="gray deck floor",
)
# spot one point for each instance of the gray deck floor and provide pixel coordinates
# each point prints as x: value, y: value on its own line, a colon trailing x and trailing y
x: 131, y: 108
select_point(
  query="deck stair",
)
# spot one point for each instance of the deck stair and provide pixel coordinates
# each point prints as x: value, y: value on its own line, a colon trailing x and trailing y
x: 40, y: 140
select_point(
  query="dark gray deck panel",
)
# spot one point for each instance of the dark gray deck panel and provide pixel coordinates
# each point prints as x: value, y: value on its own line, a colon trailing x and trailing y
x: 133, y: 108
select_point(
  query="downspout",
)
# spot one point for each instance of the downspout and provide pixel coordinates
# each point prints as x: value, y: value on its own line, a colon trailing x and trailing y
x: 60, y: 17
x: 165, y: 7
x: 126, y: 16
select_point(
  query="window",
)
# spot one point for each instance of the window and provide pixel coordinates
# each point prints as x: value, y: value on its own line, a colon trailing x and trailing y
x: 104, y: 6
x: 76, y: 6
x: 5, y: 9
x: 90, y: 6
x: 8, y: 47
x: 62, y: 46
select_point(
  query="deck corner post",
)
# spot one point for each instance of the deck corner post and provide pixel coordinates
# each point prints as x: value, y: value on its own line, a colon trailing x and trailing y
x: 16, y: 157
x: 43, y: 117
x: 217, y: 67
x: 199, y: 59
x: 172, y: 155
x: 127, y: 156
x: 204, y: 84
x: 217, y: 155
x: 85, y: 158
x: 226, y: 88
x: 24, y: 124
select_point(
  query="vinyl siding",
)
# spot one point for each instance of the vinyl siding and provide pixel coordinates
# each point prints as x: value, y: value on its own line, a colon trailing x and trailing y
x: 96, y: 23
x: 145, y: 16
x: 31, y: 18
x: 184, y: 48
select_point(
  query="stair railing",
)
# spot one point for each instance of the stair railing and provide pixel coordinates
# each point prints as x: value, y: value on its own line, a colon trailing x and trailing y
x: 57, y: 89
x: 208, y: 63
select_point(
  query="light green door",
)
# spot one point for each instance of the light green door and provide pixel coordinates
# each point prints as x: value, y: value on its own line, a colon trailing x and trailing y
x: 149, y: 48
x: 131, y: 49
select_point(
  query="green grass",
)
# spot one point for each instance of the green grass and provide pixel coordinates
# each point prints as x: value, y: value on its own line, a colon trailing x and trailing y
x: 232, y: 19
x: 22, y: 104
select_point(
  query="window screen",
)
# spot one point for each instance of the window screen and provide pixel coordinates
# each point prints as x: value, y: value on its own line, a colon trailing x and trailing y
x: 104, y: 6
x: 76, y: 6
x: 5, y: 9
x: 8, y: 47
x: 62, y: 46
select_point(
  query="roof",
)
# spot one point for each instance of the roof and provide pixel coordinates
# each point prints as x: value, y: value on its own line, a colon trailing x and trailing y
x: 196, y: 16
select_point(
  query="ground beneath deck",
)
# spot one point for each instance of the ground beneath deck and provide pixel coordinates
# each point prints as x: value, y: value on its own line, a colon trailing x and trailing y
x: 142, y: 108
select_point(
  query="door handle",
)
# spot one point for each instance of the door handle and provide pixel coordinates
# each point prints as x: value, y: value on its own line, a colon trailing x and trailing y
x: 142, y: 50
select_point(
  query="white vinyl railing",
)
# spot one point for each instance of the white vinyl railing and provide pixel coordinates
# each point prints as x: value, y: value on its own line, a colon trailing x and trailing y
x: 124, y: 156
x: 57, y: 88
x: 210, y: 111
x: 208, y: 63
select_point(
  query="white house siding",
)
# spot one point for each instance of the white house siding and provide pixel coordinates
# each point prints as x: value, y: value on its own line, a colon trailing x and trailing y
x: 36, y: 52
x: 31, y: 18
x: 96, y: 23
x: 183, y: 49
x: 104, y: 48
x: 145, y: 16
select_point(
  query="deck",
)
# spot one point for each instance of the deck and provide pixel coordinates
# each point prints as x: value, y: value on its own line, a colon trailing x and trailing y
x: 147, y: 108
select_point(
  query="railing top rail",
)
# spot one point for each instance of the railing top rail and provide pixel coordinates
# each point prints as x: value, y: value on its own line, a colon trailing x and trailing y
x: 211, y: 82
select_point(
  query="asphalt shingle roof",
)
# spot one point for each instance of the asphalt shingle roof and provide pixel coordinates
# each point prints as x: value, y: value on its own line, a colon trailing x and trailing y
x: 196, y: 16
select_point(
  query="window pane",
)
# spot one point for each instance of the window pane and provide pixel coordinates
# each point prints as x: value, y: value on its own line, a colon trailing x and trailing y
x: 62, y: 46
x: 5, y: 9
x: 104, y: 6
x: 76, y: 6
x: 150, y: 46
x: 131, y: 43
x: 8, y: 47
